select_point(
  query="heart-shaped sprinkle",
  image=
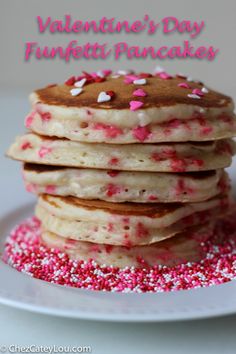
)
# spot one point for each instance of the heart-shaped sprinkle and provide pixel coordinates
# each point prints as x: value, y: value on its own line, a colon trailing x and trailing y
x: 103, y: 97
x: 197, y: 92
x: 158, y: 70
x: 164, y: 76
x: 107, y: 72
x: 134, y: 105
x: 140, y: 82
x: 141, y: 133
x: 80, y: 83
x: 139, y: 93
x: 76, y: 91
x: 70, y: 81
x: 192, y: 95
x: 184, y: 85
x: 205, y: 90
x: 110, y: 93
x: 129, y: 79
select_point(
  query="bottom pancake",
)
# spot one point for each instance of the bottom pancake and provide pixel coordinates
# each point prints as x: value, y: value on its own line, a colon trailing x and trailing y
x: 183, y: 248
x: 123, y: 224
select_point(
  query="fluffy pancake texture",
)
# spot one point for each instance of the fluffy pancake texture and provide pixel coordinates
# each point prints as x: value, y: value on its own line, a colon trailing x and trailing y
x: 125, y: 224
x: 118, y: 186
x: 184, y: 247
x: 169, y: 112
x: 178, y: 157
x: 175, y: 130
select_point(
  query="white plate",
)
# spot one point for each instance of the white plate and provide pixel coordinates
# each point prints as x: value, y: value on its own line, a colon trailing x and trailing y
x: 24, y: 292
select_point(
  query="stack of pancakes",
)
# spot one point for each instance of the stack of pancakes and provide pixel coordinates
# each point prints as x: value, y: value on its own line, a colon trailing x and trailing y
x: 128, y: 167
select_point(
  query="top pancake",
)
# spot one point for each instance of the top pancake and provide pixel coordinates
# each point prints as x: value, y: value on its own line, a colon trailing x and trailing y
x: 160, y: 93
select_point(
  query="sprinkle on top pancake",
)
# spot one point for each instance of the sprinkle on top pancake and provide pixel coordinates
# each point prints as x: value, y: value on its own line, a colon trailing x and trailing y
x: 159, y: 92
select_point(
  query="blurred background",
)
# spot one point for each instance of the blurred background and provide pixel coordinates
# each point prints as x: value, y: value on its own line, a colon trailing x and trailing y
x: 18, y: 25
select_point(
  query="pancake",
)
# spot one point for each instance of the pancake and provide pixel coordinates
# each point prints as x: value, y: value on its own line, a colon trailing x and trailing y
x: 175, y: 130
x: 125, y: 224
x: 178, y: 157
x: 185, y: 247
x: 118, y: 186
x: 167, y: 113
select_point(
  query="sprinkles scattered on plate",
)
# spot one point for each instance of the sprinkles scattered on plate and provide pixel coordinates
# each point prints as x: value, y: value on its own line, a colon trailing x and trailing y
x: 24, y: 252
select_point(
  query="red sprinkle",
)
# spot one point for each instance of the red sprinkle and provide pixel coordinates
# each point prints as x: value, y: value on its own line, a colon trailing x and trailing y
x: 112, y: 189
x: 113, y: 173
x: 113, y: 161
x: 70, y: 81
x: 26, y: 145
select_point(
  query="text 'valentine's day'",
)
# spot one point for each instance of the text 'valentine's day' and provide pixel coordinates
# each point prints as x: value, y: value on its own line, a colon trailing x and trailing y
x: 110, y: 26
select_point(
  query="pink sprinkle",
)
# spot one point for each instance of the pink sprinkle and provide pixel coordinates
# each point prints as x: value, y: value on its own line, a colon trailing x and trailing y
x: 141, y: 231
x: 50, y: 189
x: 113, y: 173
x: 26, y: 145
x: 29, y: 119
x: 178, y: 165
x: 152, y: 197
x: 134, y: 105
x: 184, y: 85
x: 198, y: 92
x: 109, y: 248
x: 112, y: 189
x: 139, y: 93
x: 106, y: 72
x: 111, y: 131
x: 130, y: 78
x: 110, y: 227
x: 31, y: 188
x: 163, y: 75
x: 113, y: 161
x: 197, y: 162
x: 181, y: 188
x: 43, y: 151
x: 206, y: 130
x: 141, y: 133
x: 45, y: 116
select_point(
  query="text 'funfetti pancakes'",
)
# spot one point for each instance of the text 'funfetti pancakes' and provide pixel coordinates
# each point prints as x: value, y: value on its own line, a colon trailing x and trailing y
x: 127, y: 167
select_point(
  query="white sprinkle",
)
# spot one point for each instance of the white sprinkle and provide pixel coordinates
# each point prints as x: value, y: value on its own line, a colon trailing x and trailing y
x: 205, y: 90
x: 192, y: 95
x: 158, y: 69
x: 140, y: 82
x: 76, y: 91
x: 80, y: 83
x: 100, y: 73
x: 123, y: 72
x: 115, y: 76
x: 190, y: 79
x: 103, y: 97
